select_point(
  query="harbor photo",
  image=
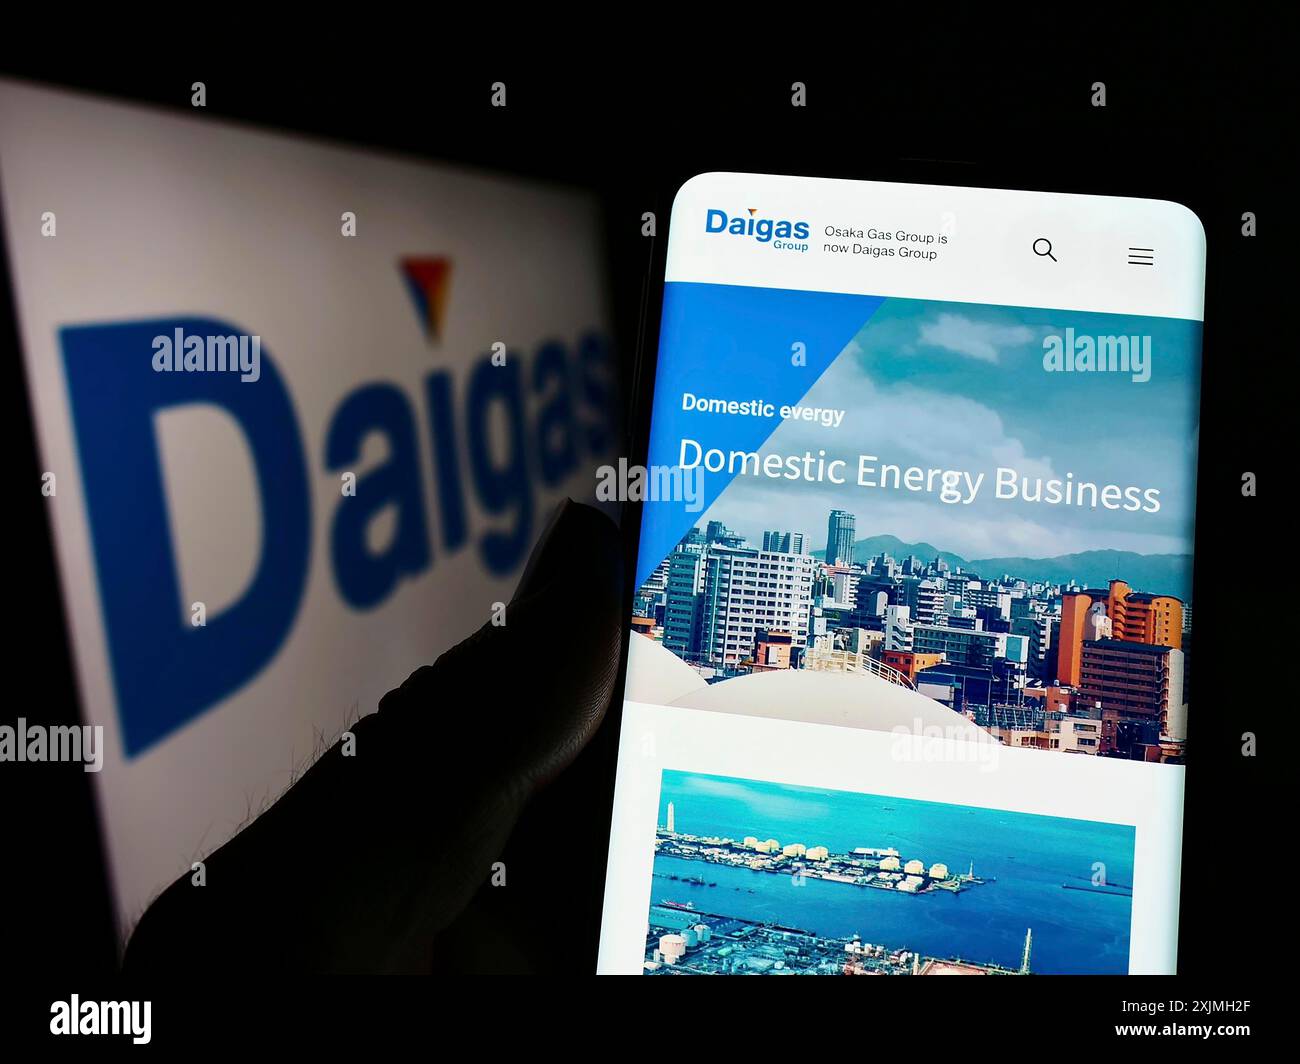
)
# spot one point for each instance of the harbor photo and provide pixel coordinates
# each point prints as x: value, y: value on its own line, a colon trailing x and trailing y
x: 764, y: 878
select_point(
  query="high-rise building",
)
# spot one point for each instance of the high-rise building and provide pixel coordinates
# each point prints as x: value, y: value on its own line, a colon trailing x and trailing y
x: 956, y: 583
x: 1134, y: 618
x: 693, y: 540
x: 992, y: 597
x: 873, y: 595
x: 650, y: 596
x: 843, y: 584
x: 717, y: 532
x: 1156, y: 619
x: 744, y: 591
x: 671, y: 823
x: 784, y: 542
x: 1037, y: 628
x: 1135, y: 681
x: 839, y: 538
x: 681, y: 602
x: 898, y: 628
x: 969, y: 646
x: 925, y: 598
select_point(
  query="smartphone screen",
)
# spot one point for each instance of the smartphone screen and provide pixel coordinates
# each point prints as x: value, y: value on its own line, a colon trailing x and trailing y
x: 910, y: 664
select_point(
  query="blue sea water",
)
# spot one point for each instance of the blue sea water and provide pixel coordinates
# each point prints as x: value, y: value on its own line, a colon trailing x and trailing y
x: 1074, y: 931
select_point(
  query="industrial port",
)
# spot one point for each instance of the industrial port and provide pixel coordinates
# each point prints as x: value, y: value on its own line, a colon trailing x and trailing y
x: 682, y: 940
x: 881, y: 868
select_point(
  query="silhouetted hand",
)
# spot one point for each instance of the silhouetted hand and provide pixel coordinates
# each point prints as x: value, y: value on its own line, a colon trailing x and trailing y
x: 366, y: 858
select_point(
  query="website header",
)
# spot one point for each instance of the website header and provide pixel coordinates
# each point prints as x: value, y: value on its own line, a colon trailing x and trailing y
x: 963, y: 245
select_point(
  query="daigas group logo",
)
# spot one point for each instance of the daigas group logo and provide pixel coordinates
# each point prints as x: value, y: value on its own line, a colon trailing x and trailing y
x: 429, y: 281
x: 779, y: 233
x: 498, y: 430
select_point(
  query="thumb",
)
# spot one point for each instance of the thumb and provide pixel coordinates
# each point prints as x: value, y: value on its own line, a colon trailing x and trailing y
x: 534, y: 687
x: 363, y: 860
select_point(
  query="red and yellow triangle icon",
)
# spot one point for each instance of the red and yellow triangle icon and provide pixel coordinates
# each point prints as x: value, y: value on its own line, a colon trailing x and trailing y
x: 429, y: 281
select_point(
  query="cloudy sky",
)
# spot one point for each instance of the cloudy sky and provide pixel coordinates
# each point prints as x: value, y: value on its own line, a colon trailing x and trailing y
x: 959, y: 386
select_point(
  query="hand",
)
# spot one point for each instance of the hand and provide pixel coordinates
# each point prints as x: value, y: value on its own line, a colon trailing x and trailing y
x: 367, y: 858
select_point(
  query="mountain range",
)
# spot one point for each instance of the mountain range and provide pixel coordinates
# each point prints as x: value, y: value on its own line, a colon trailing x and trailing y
x: 1162, y: 574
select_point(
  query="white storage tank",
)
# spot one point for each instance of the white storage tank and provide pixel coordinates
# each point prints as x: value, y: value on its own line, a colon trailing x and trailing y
x: 672, y: 948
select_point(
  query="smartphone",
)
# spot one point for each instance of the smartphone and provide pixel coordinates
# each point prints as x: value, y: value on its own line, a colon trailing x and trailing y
x: 908, y: 674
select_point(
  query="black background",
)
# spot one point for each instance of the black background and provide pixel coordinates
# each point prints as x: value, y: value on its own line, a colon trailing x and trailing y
x: 1193, y: 115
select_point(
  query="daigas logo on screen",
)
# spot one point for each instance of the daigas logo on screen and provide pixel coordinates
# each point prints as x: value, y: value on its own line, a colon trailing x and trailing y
x: 467, y: 449
x: 777, y: 233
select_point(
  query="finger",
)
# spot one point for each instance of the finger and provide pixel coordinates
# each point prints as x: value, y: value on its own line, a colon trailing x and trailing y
x: 536, y: 686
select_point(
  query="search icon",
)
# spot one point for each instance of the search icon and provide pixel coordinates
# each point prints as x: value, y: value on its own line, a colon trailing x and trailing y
x: 1044, y: 249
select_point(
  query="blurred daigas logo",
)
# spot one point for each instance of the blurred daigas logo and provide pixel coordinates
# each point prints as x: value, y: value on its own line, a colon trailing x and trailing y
x: 428, y: 279
x: 469, y: 448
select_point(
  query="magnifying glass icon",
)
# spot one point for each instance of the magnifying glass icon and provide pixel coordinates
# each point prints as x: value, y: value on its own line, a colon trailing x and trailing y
x: 1043, y: 247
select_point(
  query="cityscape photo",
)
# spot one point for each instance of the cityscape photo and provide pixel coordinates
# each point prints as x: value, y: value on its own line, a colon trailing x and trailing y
x: 1047, y: 624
